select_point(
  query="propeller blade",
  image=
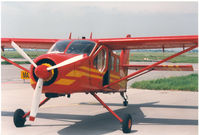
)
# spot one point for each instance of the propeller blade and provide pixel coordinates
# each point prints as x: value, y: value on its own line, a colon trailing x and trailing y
x: 66, y: 62
x: 22, y: 53
x: 36, y: 99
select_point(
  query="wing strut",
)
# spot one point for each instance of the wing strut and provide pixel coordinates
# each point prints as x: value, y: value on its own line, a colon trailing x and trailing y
x: 15, y: 64
x: 151, y: 66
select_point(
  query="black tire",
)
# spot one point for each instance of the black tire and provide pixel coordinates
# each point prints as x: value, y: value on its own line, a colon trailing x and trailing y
x: 127, y: 123
x: 125, y: 103
x: 18, y: 119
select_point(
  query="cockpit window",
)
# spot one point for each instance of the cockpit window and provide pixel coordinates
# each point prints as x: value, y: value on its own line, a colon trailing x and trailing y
x: 59, y: 47
x: 81, y: 47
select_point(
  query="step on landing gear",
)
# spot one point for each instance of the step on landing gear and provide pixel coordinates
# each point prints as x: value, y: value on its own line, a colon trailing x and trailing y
x: 125, y: 97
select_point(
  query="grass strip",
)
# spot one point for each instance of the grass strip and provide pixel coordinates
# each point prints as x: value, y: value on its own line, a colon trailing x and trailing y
x: 190, y: 57
x: 18, y: 62
x: 156, y: 56
x: 185, y: 83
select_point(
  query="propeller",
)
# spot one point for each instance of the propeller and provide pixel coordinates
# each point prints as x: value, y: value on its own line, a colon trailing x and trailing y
x: 38, y: 89
x: 66, y: 62
x: 36, y: 99
x: 39, y: 85
x: 20, y: 51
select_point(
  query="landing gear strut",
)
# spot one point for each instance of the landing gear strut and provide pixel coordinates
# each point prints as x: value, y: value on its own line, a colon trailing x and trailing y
x: 125, y: 97
x: 126, y: 122
x: 19, y: 117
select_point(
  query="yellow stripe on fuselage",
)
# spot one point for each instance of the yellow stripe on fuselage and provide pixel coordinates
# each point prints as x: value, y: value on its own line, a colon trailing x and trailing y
x: 114, y: 76
x: 89, y: 69
x: 78, y: 74
x: 96, y: 76
x: 65, y: 82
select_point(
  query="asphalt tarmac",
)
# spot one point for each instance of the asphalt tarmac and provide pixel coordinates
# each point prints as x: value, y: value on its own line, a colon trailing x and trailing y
x: 153, y: 112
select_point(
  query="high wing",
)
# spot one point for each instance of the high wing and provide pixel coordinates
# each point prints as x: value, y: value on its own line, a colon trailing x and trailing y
x: 28, y: 43
x: 188, y: 43
x: 150, y: 42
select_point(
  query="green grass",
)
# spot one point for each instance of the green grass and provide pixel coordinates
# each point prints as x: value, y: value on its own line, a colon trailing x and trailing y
x: 18, y: 62
x: 189, y: 57
x: 14, y: 54
x: 186, y: 83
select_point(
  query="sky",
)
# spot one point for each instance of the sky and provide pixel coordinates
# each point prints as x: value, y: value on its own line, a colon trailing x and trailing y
x: 103, y: 19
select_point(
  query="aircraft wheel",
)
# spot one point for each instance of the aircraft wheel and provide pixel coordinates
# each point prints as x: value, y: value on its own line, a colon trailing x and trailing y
x: 127, y: 123
x: 125, y: 103
x: 18, y: 118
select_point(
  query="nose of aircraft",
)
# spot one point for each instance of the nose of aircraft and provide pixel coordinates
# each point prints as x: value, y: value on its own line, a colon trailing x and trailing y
x: 42, y: 72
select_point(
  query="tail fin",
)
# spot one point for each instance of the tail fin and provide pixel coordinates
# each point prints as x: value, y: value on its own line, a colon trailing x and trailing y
x: 124, y: 57
x: 124, y: 60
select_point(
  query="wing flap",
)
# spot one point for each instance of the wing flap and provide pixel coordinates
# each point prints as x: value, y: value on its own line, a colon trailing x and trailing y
x: 162, y: 67
x: 150, y: 42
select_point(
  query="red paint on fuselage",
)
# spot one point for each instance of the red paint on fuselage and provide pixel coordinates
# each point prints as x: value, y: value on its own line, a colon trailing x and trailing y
x: 80, y: 76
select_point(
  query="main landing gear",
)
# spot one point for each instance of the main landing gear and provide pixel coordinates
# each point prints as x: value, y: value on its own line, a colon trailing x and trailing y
x: 125, y: 97
x: 126, y: 121
x: 19, y: 117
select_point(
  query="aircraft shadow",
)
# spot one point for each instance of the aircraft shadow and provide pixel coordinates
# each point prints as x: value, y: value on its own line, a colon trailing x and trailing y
x: 106, y: 123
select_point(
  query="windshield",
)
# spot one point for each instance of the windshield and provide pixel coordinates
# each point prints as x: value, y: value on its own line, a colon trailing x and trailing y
x: 59, y: 47
x: 81, y: 47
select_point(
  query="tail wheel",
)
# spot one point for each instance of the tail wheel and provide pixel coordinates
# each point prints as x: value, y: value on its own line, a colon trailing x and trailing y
x: 127, y: 123
x: 18, y: 119
x: 125, y: 103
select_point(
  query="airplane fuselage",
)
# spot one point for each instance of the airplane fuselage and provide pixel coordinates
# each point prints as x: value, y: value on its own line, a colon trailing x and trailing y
x: 99, y: 67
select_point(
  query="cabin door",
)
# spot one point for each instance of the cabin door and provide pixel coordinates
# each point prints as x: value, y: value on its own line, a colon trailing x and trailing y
x: 106, y: 76
x: 100, y: 67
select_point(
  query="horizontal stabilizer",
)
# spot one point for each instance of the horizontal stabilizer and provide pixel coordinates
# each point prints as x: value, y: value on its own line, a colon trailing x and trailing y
x: 162, y: 67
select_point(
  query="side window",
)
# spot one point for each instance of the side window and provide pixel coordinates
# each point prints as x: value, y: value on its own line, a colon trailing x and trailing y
x: 117, y: 65
x: 112, y: 62
x: 100, y: 60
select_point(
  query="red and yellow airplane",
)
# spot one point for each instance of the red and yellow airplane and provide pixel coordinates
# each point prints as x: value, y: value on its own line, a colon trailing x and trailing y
x: 90, y: 66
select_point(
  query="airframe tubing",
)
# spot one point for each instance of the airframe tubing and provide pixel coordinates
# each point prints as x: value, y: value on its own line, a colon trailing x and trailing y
x: 112, y: 112
x: 41, y: 103
x: 151, y: 66
x: 17, y: 65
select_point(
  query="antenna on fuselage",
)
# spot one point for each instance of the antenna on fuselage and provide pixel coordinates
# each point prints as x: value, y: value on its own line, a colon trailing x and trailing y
x: 70, y: 36
x: 91, y: 35
x: 128, y: 35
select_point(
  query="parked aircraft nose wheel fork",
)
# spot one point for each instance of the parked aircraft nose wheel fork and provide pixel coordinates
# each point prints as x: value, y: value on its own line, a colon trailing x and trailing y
x: 18, y: 118
x: 125, y: 97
